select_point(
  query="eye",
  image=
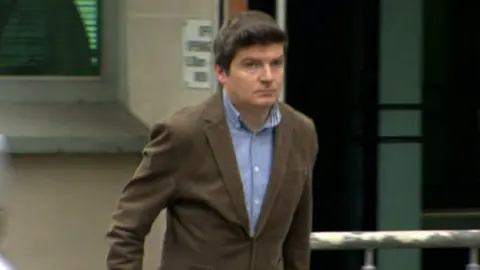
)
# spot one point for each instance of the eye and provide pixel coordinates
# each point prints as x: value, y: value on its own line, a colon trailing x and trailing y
x: 277, y: 63
x: 252, y: 64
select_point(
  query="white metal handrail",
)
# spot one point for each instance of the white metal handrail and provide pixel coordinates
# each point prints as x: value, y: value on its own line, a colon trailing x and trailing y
x: 370, y: 241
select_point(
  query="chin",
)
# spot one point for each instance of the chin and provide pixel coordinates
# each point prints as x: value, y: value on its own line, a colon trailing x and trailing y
x: 266, y: 101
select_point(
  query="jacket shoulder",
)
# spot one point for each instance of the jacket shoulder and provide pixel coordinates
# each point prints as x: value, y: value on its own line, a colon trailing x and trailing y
x: 181, y: 124
x: 305, y: 130
x: 302, y: 121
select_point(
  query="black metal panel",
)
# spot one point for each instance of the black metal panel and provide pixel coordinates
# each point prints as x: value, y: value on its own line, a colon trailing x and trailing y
x: 332, y: 76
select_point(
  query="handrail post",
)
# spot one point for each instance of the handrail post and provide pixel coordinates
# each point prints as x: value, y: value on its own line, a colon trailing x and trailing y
x: 4, y: 188
x: 473, y: 260
x: 369, y: 261
x: 281, y: 16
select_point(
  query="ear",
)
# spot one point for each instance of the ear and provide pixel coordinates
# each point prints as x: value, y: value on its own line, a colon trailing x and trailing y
x: 221, y: 74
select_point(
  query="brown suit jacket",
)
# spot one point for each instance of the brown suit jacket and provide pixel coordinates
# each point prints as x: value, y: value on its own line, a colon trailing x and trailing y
x: 189, y: 167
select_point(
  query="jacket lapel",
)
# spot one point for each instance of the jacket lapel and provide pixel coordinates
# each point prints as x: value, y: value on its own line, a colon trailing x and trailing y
x: 220, y: 141
x: 282, y: 144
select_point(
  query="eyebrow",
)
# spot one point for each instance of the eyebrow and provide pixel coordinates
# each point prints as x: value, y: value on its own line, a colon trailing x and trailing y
x: 257, y: 59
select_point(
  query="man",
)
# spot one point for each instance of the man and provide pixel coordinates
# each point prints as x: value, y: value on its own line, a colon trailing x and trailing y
x: 233, y: 172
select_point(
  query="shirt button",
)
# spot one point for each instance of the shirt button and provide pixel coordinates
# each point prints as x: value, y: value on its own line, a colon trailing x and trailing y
x: 256, y: 169
x: 257, y: 201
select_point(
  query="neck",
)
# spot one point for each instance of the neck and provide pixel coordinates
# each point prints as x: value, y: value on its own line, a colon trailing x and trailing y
x: 254, y: 119
x: 252, y: 116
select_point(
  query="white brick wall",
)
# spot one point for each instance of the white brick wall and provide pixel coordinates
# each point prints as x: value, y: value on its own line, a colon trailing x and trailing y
x: 60, y: 211
x: 154, y: 55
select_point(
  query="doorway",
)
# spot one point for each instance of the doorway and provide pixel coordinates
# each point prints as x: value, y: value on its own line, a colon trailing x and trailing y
x: 451, y: 134
x: 332, y: 77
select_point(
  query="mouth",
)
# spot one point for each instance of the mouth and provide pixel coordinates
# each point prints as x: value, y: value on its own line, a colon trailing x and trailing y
x: 266, y: 91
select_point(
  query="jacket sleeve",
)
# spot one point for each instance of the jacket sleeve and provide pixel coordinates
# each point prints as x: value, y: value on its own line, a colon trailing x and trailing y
x: 142, y: 199
x: 296, y: 248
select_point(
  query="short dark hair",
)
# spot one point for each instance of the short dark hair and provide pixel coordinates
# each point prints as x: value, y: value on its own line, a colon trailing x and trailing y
x: 246, y: 29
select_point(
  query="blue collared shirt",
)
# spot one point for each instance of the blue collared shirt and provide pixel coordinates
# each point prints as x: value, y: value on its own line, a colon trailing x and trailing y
x: 254, y: 152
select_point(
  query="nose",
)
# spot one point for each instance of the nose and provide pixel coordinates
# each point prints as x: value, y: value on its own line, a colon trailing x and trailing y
x: 266, y: 75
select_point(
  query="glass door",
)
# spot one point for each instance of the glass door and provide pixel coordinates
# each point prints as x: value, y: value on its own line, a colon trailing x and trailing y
x: 451, y: 179
x: 332, y: 77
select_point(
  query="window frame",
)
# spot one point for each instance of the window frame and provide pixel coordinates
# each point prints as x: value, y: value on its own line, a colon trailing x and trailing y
x: 103, y: 87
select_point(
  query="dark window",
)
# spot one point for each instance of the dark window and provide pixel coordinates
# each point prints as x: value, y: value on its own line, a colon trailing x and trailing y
x: 451, y: 102
x: 49, y: 37
x: 451, y: 123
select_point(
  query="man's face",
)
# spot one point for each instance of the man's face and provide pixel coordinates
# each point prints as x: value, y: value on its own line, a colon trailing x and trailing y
x: 256, y: 75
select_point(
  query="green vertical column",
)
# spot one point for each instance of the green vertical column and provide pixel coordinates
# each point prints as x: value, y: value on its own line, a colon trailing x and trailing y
x: 400, y: 150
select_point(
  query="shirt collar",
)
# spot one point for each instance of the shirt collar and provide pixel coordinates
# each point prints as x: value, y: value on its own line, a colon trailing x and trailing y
x: 233, y: 115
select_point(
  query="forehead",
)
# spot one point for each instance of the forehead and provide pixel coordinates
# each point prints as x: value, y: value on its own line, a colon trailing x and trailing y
x: 260, y: 52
